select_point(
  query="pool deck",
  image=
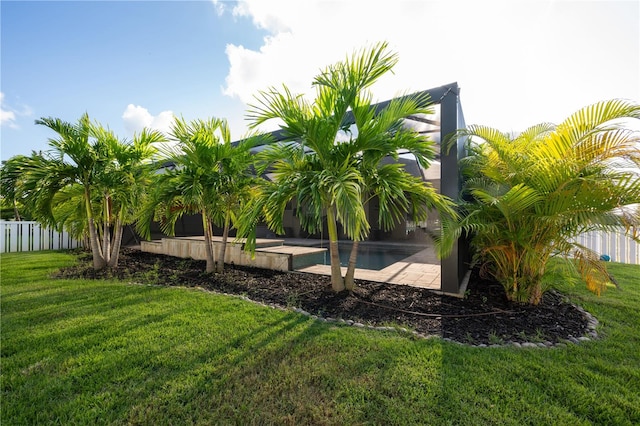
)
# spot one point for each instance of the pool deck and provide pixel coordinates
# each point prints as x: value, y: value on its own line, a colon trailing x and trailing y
x: 421, y: 269
x: 405, y: 272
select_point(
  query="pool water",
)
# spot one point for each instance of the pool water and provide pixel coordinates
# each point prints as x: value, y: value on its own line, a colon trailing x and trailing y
x: 369, y: 256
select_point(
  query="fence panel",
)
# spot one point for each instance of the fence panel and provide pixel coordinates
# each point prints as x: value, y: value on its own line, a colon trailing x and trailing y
x: 616, y: 245
x: 31, y: 236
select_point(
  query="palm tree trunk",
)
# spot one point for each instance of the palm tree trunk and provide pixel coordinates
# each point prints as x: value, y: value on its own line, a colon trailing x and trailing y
x: 16, y: 214
x: 225, y: 236
x: 351, y: 267
x: 337, y: 283
x: 106, y: 231
x: 98, y: 259
x: 207, y: 242
x: 117, y: 242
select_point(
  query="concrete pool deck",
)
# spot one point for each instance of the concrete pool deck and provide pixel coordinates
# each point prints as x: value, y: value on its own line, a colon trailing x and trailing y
x: 411, y: 271
x: 421, y: 269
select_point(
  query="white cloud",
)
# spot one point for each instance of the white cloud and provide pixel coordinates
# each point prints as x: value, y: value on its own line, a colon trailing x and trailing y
x: 220, y: 7
x: 275, y: 16
x: 517, y: 63
x: 9, y: 115
x: 136, y: 118
x: 8, y: 118
x: 300, y: 45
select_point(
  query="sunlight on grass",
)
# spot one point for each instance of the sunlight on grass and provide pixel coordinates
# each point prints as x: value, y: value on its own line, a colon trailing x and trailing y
x: 95, y: 352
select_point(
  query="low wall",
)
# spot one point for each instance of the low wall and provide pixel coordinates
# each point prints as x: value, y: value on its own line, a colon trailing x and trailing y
x: 196, y: 249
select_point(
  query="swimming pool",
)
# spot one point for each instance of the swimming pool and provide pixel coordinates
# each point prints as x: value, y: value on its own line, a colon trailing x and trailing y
x: 375, y: 257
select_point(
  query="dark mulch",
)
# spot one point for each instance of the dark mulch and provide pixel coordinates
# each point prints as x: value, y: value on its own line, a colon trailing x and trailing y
x: 483, y: 316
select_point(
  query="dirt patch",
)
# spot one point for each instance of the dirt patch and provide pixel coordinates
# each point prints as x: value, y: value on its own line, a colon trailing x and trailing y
x: 483, y: 317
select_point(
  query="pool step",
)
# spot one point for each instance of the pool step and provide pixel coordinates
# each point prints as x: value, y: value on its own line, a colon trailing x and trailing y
x: 300, y: 257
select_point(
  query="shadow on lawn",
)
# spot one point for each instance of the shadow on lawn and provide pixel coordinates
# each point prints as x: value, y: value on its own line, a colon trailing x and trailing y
x: 482, y: 317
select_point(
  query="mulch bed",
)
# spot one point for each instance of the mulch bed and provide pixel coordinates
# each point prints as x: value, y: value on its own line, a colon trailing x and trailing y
x: 483, y: 317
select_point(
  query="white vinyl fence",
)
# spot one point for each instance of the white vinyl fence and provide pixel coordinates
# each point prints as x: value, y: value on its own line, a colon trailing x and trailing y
x: 31, y: 236
x: 616, y: 245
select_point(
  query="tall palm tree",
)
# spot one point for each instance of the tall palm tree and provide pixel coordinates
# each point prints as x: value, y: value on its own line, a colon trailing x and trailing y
x: 122, y: 183
x: 330, y: 176
x: 381, y: 134
x: 398, y: 194
x: 532, y: 194
x: 70, y: 185
x: 210, y: 177
x: 73, y: 160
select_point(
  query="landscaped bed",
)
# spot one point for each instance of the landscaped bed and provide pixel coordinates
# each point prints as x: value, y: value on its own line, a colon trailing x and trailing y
x: 483, y: 317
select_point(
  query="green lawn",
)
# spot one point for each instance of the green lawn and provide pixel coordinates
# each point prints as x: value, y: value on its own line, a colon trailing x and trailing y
x: 85, y: 352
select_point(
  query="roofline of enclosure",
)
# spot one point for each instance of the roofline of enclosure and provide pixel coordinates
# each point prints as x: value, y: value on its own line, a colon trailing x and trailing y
x: 436, y: 96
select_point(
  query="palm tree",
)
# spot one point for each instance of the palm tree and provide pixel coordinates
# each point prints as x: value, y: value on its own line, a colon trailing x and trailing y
x: 398, y: 193
x: 210, y: 177
x: 73, y: 160
x: 330, y: 176
x: 72, y: 183
x: 532, y: 194
x: 9, y: 177
x: 381, y: 134
x: 122, y: 183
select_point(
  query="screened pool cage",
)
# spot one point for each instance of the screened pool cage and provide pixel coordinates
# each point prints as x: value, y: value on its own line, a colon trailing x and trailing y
x: 443, y: 173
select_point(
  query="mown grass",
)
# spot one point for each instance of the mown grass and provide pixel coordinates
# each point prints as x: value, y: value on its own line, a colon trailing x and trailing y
x: 109, y: 352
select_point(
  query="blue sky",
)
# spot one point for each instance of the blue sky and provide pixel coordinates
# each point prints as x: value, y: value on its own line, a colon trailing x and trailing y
x: 64, y: 58
x: 130, y: 64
